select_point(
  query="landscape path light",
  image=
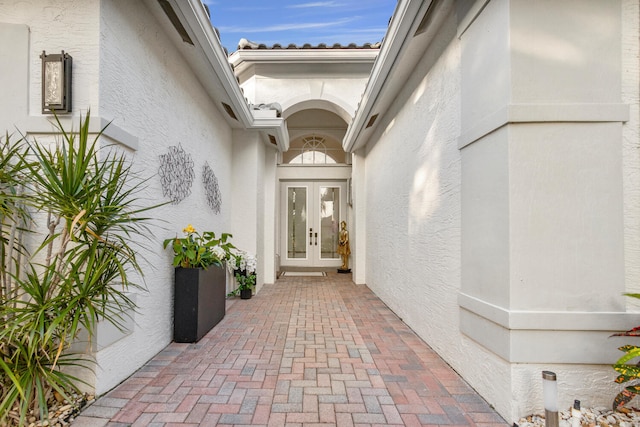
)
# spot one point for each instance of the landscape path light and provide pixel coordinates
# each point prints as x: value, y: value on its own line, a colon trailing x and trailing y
x: 550, y: 394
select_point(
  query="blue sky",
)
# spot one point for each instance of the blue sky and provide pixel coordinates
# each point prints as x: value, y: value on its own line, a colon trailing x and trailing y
x: 299, y: 22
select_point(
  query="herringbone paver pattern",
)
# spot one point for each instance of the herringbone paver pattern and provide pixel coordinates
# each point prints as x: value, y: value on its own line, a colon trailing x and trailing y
x: 303, y: 352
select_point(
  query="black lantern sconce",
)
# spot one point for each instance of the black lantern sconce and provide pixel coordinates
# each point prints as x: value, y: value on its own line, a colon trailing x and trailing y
x: 56, y: 82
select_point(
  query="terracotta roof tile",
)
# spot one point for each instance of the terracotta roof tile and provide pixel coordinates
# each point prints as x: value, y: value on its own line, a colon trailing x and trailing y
x: 245, y: 44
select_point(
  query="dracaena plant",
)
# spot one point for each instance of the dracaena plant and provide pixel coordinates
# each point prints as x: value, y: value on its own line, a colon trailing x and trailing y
x: 628, y: 372
x: 89, y: 197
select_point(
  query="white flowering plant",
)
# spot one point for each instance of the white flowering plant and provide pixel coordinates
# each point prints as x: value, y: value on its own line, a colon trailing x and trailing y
x: 244, y: 270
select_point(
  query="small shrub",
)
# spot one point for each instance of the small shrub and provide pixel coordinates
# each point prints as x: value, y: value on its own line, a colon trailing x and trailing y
x: 628, y: 373
x: 244, y: 270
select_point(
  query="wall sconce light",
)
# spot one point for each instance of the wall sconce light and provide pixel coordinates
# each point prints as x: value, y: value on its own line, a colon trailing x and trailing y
x: 550, y: 394
x: 56, y: 82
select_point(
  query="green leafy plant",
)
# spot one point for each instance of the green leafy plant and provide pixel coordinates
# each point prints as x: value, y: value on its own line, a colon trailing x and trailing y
x: 628, y: 372
x: 197, y: 250
x: 244, y: 270
x: 14, y: 214
x: 84, y: 263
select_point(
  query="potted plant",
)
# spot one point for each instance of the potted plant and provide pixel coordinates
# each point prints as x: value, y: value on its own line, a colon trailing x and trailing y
x: 200, y: 282
x: 244, y: 270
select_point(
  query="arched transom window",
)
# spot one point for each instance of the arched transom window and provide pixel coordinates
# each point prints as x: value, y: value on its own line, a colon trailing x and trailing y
x: 313, y: 151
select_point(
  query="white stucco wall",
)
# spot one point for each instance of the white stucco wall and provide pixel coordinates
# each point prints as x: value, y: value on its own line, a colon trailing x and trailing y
x: 244, y: 189
x: 76, y: 34
x: 253, y: 199
x: 298, y: 87
x: 631, y: 145
x: 125, y: 70
x: 270, y: 262
x: 152, y: 95
x: 412, y: 210
x: 544, y: 199
x: 542, y: 157
x: 14, y: 84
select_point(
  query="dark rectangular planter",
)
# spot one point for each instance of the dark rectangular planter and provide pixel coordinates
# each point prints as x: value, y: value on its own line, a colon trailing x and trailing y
x: 199, y: 302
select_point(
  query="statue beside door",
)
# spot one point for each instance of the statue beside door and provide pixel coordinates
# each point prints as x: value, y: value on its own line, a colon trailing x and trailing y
x: 344, y: 249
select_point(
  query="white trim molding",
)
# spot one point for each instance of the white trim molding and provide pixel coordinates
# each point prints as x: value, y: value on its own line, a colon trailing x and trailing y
x: 543, y: 113
x: 396, y: 60
x: 35, y: 125
x: 519, y: 336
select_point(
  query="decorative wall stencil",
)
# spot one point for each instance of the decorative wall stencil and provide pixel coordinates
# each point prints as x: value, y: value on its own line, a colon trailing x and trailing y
x: 176, y: 174
x: 211, y: 188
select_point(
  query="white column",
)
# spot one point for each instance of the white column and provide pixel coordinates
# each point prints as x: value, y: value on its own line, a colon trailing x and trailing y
x: 542, y: 180
x: 245, y: 191
x: 358, y: 234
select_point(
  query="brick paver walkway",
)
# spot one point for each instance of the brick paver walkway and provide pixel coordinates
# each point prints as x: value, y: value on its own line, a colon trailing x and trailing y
x: 303, y: 352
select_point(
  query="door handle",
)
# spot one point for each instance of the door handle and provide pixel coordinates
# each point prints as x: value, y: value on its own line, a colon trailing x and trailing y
x: 316, y: 239
x: 310, y: 237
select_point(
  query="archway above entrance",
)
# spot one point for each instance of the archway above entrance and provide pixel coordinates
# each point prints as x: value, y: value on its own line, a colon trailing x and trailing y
x: 315, y: 137
x: 336, y: 106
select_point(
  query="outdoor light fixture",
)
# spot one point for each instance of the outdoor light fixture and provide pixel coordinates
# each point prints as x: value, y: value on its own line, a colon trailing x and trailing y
x: 550, y: 393
x: 56, y: 82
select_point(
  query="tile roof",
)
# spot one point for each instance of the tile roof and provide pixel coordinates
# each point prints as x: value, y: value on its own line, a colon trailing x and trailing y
x: 245, y: 44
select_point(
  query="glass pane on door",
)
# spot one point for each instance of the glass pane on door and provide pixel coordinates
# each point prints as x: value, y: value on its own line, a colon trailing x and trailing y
x: 297, y: 222
x: 329, y: 221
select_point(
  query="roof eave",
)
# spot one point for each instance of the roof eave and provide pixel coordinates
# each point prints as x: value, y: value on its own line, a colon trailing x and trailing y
x: 304, y: 55
x: 195, y: 20
x: 391, y: 67
x: 274, y: 130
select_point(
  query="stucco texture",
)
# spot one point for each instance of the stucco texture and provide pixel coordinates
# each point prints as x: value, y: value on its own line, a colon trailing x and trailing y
x: 413, y: 214
x: 56, y: 26
x: 536, y: 194
x: 148, y: 91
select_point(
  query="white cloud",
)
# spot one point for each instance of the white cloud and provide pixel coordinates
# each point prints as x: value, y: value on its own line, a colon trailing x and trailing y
x: 248, y: 9
x: 284, y: 27
x: 315, y: 4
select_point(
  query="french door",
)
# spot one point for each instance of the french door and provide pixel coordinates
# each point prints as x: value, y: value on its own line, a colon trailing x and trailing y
x: 312, y: 211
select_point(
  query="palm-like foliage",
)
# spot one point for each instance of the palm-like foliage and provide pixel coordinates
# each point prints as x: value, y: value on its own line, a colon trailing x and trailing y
x: 93, y: 214
x: 628, y: 372
x: 13, y: 211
